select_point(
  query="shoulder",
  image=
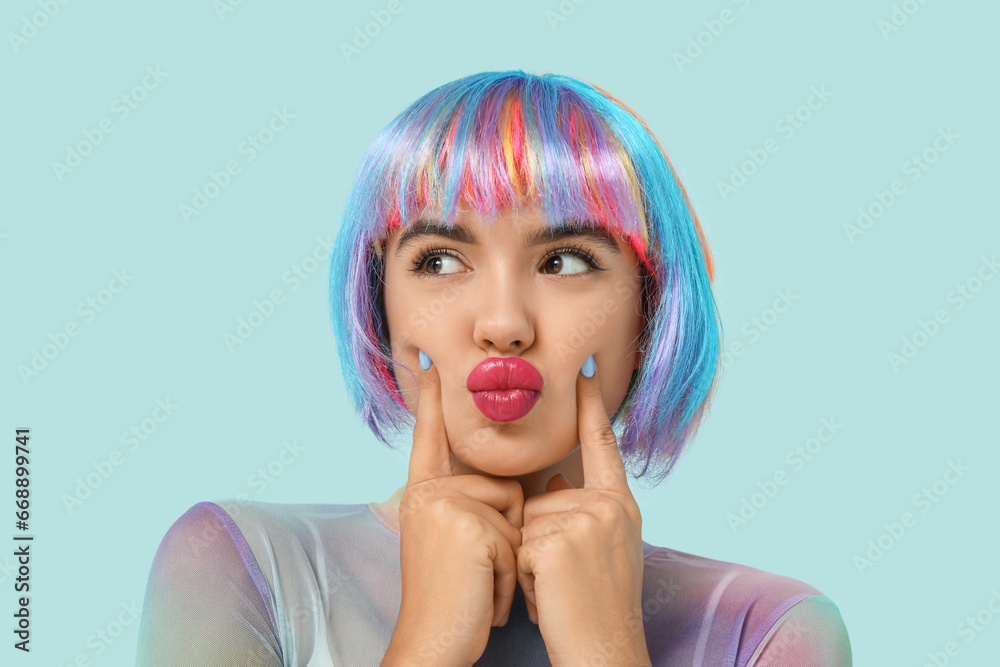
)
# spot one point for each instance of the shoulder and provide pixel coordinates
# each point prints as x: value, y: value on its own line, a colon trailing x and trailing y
x: 723, y: 580
x: 293, y: 521
x: 273, y: 542
x: 199, y: 532
x: 200, y: 544
x: 727, y: 612
x: 204, y: 583
x: 812, y: 632
x: 214, y: 527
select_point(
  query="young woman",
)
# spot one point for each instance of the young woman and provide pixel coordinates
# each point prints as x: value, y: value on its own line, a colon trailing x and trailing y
x: 520, y: 278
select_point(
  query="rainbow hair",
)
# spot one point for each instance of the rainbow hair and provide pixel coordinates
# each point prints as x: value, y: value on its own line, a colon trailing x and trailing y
x: 500, y: 140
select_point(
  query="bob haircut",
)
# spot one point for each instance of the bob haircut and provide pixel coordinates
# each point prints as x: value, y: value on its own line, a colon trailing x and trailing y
x: 502, y: 140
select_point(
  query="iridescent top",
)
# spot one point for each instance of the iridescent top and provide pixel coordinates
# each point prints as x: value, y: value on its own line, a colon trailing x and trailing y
x: 248, y: 583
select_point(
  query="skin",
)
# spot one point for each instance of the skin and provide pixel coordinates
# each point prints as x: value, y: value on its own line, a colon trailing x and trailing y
x: 497, y: 298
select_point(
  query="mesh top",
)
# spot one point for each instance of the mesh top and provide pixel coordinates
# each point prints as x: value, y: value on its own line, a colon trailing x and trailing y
x: 249, y: 583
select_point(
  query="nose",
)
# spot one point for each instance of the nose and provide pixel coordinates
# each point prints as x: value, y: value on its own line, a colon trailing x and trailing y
x: 504, y: 318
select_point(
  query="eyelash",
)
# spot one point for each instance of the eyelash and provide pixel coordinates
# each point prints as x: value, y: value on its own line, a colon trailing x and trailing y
x: 576, y: 251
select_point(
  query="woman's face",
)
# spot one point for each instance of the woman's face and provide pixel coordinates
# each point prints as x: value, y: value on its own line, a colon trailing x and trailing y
x: 506, y: 288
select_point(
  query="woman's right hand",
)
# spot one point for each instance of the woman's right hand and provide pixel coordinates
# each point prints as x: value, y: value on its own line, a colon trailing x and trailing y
x: 458, y: 536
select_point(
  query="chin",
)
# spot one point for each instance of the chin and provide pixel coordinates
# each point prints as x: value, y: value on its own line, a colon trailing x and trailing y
x: 506, y: 470
x: 507, y: 458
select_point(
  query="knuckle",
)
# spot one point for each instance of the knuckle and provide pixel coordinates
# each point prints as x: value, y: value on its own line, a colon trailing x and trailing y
x: 564, y: 524
x: 555, y: 546
x: 465, y: 524
x: 604, y: 436
x: 592, y: 520
x: 634, y: 512
x: 444, y: 510
x: 415, y: 496
x: 513, y: 486
x: 608, y: 511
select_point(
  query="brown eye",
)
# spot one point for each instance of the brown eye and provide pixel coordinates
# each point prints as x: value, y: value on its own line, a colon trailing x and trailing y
x: 433, y: 263
x: 441, y: 262
x: 557, y: 263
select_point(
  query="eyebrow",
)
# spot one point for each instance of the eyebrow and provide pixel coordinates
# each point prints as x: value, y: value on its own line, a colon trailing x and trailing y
x: 424, y: 228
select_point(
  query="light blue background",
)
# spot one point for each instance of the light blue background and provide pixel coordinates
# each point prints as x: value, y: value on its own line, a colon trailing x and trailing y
x: 826, y: 357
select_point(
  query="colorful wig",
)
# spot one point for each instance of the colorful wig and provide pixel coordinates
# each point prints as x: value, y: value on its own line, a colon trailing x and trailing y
x: 501, y: 140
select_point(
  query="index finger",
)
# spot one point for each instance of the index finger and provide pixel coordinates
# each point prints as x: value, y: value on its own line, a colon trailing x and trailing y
x: 430, y: 456
x: 603, y: 467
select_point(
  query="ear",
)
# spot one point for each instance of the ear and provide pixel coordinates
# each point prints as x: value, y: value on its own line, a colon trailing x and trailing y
x: 558, y: 483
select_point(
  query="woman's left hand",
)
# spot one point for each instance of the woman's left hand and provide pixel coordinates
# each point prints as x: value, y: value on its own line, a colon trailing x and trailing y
x: 580, y: 563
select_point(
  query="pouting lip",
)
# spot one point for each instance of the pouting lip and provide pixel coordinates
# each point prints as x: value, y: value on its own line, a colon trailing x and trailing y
x: 505, y: 405
x: 504, y: 373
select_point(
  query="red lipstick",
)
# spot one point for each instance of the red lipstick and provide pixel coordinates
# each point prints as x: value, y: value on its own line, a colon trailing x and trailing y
x: 505, y: 388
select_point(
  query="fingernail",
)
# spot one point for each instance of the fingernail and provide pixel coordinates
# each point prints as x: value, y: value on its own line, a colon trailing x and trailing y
x: 588, y: 367
x: 425, y: 361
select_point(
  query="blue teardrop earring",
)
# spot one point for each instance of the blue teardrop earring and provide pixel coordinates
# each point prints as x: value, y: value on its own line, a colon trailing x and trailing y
x: 425, y: 361
x: 588, y: 367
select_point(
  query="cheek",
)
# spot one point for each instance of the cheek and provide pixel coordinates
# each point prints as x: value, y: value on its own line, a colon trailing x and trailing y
x: 405, y: 327
x: 422, y: 325
x: 417, y: 323
x: 605, y: 326
x: 417, y: 312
